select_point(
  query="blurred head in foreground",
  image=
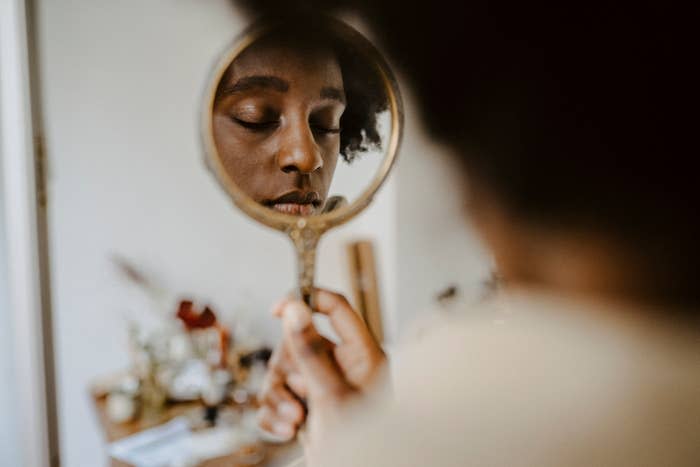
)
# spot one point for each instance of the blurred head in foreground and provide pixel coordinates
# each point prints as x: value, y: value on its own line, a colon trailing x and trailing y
x: 570, y: 124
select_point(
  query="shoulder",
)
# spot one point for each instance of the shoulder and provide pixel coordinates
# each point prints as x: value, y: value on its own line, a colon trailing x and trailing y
x: 550, y: 379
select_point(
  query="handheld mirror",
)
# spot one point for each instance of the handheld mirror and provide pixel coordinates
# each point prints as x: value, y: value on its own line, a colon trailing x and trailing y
x: 301, y: 127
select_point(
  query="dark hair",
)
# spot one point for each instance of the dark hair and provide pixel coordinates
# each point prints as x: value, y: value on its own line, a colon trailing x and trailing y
x: 573, y: 114
x: 365, y: 94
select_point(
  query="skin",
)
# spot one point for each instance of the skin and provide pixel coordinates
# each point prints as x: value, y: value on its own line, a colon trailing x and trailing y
x: 276, y: 125
x: 340, y: 370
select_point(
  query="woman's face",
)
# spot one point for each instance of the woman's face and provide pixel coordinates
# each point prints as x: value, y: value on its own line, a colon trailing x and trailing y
x: 277, y: 125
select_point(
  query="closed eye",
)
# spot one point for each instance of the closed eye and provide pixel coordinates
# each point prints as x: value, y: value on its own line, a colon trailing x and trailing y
x: 257, y: 126
x: 325, y: 130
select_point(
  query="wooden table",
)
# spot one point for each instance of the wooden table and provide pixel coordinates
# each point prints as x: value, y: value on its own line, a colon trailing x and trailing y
x: 276, y: 455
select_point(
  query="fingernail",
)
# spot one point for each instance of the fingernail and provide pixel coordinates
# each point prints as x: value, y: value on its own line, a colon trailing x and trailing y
x: 283, y: 429
x: 287, y: 409
x: 296, y: 316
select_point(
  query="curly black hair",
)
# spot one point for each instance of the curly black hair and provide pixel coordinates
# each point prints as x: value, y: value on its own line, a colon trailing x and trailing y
x: 365, y: 93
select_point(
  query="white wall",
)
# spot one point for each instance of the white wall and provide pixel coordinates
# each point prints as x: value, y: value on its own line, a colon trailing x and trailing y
x: 121, y: 84
x: 436, y: 247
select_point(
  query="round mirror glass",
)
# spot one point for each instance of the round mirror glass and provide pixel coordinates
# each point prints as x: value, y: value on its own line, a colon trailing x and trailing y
x: 301, y: 122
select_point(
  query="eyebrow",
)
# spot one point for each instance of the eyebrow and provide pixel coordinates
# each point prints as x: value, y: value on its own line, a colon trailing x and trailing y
x: 277, y: 84
x: 333, y: 93
x: 252, y: 82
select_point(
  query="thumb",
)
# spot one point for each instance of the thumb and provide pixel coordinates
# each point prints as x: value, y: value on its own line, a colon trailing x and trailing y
x: 312, y: 355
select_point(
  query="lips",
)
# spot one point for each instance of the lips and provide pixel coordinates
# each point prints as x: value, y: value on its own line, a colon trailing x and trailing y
x: 296, y: 203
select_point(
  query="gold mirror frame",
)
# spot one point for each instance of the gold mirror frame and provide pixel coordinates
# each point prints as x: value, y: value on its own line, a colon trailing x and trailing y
x: 305, y: 232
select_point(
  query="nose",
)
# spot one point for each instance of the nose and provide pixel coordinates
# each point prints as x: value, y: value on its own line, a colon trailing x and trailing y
x: 298, y: 150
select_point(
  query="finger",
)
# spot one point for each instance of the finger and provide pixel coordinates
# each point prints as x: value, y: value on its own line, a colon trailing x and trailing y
x: 271, y: 423
x: 281, y: 361
x: 282, y: 370
x: 275, y: 363
x: 295, y: 382
x: 278, y: 367
x: 286, y: 406
x: 347, y: 323
x: 279, y: 306
x: 311, y: 354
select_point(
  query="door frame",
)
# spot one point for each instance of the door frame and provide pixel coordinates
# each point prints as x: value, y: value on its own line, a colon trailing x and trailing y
x: 23, y: 193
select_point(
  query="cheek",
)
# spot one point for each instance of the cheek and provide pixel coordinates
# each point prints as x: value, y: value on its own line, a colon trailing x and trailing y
x: 245, y: 156
x: 226, y: 138
x: 330, y: 148
x: 331, y: 152
x: 236, y: 144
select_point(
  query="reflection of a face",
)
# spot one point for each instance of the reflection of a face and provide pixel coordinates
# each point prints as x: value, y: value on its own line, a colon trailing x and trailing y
x: 276, y: 125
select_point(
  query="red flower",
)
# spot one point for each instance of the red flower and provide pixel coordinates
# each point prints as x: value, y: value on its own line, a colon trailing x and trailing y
x: 194, y: 320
